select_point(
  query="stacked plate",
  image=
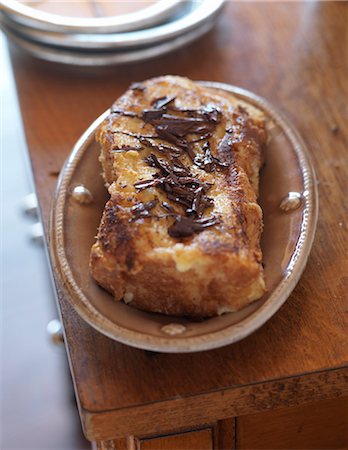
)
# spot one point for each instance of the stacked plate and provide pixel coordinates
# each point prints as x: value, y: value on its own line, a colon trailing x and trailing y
x: 103, y: 32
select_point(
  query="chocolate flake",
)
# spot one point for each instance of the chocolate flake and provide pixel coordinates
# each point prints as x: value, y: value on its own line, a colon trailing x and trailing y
x: 207, y: 161
x: 122, y: 112
x: 197, y: 203
x: 159, y: 147
x: 167, y: 207
x: 137, y: 87
x: 142, y: 210
x: 181, y: 126
x: 226, y: 148
x: 164, y: 166
x: 179, y: 185
x: 186, y: 226
x: 161, y: 102
x: 126, y: 148
x: 141, y: 185
x: 175, y: 125
x: 135, y: 135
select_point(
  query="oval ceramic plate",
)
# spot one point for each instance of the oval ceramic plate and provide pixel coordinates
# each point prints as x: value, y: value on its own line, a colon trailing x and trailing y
x: 286, y: 243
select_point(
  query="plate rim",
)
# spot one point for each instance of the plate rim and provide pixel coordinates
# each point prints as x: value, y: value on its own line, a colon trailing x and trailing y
x: 129, y: 40
x: 106, y: 58
x: 151, y: 15
x: 229, y: 334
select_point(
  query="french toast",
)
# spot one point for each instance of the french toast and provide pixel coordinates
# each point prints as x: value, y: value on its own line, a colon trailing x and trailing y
x: 180, y: 234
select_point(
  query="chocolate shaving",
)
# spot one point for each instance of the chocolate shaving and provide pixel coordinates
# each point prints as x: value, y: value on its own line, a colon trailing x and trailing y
x: 141, y: 185
x: 207, y: 161
x: 142, y: 210
x: 164, y: 132
x: 122, y: 112
x: 167, y: 207
x: 137, y: 87
x: 226, y: 148
x: 175, y: 128
x: 145, y: 140
x: 179, y: 165
x: 181, y: 200
x: 182, y: 191
x: 188, y: 191
x: 171, y: 119
x: 209, y: 112
x: 186, y: 226
x: 201, y: 138
x: 135, y: 135
x: 212, y: 113
x: 149, y: 115
x: 193, y: 182
x: 181, y: 128
x: 162, y: 102
x: 164, y: 166
x: 190, y: 151
x: 126, y: 148
x: 160, y: 147
x: 197, y: 205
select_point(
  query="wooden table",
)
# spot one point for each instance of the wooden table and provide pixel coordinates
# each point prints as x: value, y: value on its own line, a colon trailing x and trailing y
x: 284, y: 386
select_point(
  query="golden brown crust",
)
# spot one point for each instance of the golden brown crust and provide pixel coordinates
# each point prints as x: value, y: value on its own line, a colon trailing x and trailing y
x: 204, y: 274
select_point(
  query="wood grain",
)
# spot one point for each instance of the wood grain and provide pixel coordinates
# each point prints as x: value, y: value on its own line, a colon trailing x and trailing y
x: 220, y: 436
x: 294, y: 54
x: 322, y: 425
x: 161, y: 417
x: 195, y: 440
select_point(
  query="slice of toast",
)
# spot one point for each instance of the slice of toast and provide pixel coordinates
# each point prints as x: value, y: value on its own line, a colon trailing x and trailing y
x: 180, y: 234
